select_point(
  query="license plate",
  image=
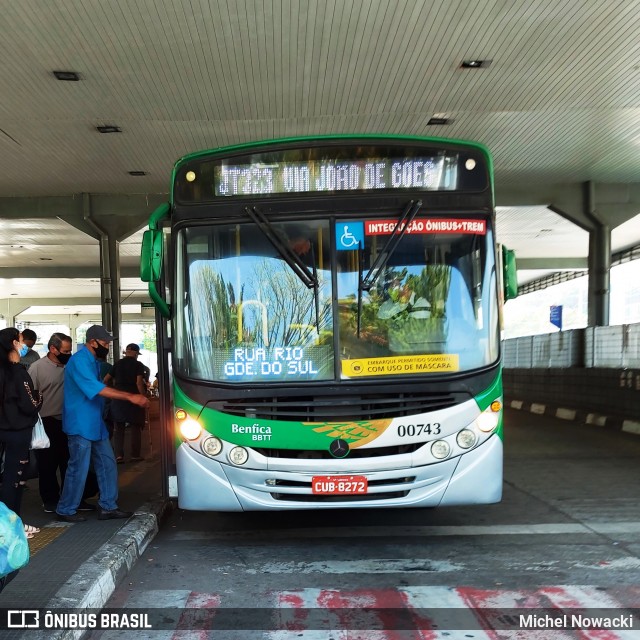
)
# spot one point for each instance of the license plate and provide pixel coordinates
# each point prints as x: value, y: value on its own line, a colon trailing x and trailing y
x: 335, y: 485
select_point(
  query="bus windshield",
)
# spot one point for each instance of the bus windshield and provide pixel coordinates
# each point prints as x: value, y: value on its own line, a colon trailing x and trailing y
x: 430, y: 308
x: 248, y: 316
x: 245, y: 314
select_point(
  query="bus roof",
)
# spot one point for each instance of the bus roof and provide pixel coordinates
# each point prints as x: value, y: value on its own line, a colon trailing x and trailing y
x: 326, y: 138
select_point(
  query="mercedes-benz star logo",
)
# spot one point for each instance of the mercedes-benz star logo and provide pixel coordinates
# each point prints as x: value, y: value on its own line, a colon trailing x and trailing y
x: 339, y: 448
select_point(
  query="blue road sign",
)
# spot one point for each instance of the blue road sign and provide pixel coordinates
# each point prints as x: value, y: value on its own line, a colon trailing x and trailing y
x: 555, y: 315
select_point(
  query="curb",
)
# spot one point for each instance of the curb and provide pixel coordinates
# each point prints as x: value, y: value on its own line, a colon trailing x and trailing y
x: 91, y: 586
x: 575, y: 415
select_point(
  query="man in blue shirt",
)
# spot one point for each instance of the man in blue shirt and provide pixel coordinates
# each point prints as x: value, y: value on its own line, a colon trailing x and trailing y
x: 84, y: 394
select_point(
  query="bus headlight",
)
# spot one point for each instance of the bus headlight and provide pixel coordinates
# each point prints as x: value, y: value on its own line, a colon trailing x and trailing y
x: 211, y: 446
x: 190, y: 429
x: 238, y: 455
x: 488, y: 420
x: 466, y: 439
x: 440, y: 449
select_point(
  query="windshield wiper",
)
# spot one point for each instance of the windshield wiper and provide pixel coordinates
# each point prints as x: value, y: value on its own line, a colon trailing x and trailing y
x: 309, y: 277
x: 365, y: 283
x: 384, y: 256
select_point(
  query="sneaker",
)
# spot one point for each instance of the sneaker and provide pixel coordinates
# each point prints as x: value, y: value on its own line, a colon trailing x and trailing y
x: 120, y: 459
x: 85, y: 506
x: 50, y: 507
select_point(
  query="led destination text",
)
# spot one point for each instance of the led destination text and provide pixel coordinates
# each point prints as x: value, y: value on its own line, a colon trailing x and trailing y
x: 334, y: 175
x: 280, y: 361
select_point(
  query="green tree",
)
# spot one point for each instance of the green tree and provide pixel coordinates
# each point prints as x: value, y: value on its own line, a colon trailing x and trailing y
x: 149, y: 342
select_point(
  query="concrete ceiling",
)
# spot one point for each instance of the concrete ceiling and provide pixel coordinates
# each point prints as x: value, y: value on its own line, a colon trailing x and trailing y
x: 557, y: 102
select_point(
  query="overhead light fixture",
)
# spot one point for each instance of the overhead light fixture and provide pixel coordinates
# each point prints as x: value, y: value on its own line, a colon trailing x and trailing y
x: 137, y: 173
x: 45, y: 258
x: 67, y: 76
x: 475, y: 63
x: 109, y: 128
x: 439, y: 120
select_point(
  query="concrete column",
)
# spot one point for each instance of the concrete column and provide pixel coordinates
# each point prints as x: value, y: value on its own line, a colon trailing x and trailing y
x: 106, y: 300
x: 599, y: 273
x: 109, y: 283
x: 74, y: 323
x: 599, y: 263
x: 114, y: 294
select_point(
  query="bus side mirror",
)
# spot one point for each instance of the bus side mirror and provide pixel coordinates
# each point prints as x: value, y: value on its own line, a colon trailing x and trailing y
x: 151, y: 255
x: 509, y: 274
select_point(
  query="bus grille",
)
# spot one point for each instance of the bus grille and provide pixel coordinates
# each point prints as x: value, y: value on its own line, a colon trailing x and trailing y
x: 313, y: 454
x: 310, y: 497
x: 339, y: 408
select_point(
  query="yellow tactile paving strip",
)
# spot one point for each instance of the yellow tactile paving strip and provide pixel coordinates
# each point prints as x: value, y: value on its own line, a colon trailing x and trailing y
x: 46, y: 536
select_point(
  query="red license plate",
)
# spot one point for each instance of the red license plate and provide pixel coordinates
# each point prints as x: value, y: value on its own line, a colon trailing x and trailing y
x: 335, y: 485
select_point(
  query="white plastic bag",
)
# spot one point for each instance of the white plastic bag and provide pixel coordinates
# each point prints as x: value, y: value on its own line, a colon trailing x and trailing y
x: 39, y: 439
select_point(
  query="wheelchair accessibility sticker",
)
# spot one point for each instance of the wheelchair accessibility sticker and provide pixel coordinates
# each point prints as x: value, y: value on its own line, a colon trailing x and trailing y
x: 349, y: 236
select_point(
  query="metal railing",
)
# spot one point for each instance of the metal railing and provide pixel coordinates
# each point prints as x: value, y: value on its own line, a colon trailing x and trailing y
x: 615, y: 347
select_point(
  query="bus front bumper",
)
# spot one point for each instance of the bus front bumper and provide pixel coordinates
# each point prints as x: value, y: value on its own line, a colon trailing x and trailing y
x: 205, y: 484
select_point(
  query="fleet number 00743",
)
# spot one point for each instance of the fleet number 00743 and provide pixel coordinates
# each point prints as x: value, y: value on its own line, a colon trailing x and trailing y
x: 411, y: 430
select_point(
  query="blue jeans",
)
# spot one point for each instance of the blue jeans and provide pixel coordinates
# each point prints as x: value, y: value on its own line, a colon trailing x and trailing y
x: 81, y: 453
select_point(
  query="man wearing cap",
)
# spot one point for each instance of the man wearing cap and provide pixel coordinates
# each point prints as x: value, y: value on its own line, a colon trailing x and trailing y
x: 88, y: 437
x: 47, y: 374
x: 127, y: 375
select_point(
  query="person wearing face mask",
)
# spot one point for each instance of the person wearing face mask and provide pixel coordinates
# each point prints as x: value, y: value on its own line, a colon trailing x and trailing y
x: 19, y: 406
x: 82, y: 411
x: 47, y: 374
x: 29, y: 356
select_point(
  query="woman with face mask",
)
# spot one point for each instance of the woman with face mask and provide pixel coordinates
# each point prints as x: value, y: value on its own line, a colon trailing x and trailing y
x: 19, y: 406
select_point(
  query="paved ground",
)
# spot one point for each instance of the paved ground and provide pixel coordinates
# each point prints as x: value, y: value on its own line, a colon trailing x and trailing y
x: 563, y: 539
x: 564, y: 536
x: 78, y: 565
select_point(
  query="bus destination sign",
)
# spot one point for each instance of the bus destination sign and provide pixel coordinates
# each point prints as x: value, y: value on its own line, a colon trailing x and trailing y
x: 437, y: 173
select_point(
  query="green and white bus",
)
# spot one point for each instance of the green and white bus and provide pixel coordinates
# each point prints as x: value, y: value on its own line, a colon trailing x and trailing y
x: 328, y: 325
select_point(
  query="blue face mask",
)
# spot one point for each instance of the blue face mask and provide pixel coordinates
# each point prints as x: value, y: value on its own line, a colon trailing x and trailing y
x: 24, y: 349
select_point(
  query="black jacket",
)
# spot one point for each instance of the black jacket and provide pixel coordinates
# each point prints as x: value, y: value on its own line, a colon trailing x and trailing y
x: 20, y: 403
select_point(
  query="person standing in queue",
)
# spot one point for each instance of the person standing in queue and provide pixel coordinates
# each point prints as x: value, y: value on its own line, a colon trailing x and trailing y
x: 19, y: 406
x: 47, y: 374
x: 88, y: 437
x: 29, y: 338
x: 128, y: 375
